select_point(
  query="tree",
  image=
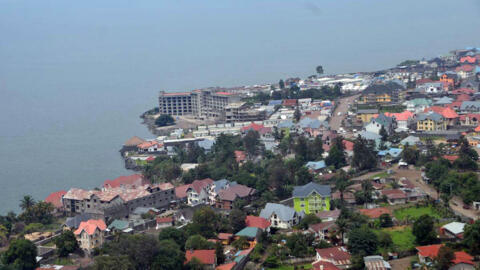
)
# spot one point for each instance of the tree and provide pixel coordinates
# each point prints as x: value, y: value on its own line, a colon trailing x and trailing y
x: 237, y: 219
x: 197, y: 242
x: 341, y: 183
x: 40, y: 212
x: 219, y: 253
x: 299, y: 244
x: 174, y: 234
x: 471, y: 238
x: 240, y: 243
x: 385, y: 240
x: 385, y: 220
x: 170, y: 257
x: 195, y: 264
x: 443, y: 261
x: 383, y: 132
x: 113, y: 263
x: 423, y: 230
x: 410, y: 155
x: 206, y: 219
x: 164, y: 120
x: 141, y: 250
x: 308, y: 220
x: 466, y: 149
x: 251, y: 142
x: 364, y: 155
x: 281, y: 84
x: 21, y: 254
x: 336, y: 155
x: 316, y: 148
x: 297, y: 114
x: 66, y: 243
x: 362, y: 241
x: 27, y: 202
x: 319, y: 70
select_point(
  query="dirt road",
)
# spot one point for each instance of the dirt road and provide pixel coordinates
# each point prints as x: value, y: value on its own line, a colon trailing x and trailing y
x: 342, y: 106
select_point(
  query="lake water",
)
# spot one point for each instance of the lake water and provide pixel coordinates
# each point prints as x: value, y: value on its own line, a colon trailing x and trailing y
x: 75, y: 75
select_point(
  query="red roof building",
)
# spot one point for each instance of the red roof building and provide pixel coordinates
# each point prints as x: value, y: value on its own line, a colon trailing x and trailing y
x: 134, y: 180
x: 240, y: 156
x: 444, y: 111
x: 467, y: 91
x: 257, y: 222
x: 205, y: 256
x: 468, y: 59
x: 227, y: 266
x: 181, y: 191
x: 55, y: 198
x: 323, y: 265
x: 463, y: 97
x: 423, y: 81
x: 252, y: 126
x: 338, y: 256
x: 375, y: 213
x: 90, y: 226
x: 465, y: 68
x: 403, y: 116
x: 429, y: 253
x: 289, y: 102
x: 450, y: 158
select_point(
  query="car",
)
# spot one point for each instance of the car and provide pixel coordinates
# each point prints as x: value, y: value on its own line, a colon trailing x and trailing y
x: 466, y: 206
x: 339, y: 113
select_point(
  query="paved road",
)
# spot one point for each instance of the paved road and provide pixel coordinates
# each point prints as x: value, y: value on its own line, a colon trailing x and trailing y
x: 336, y: 120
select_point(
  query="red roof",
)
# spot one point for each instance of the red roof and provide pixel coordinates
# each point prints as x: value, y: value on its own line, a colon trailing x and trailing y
x: 467, y: 91
x: 466, y: 68
x: 450, y: 158
x: 146, y: 145
x: 339, y: 255
x: 150, y: 158
x: 348, y: 145
x: 322, y: 265
x: 181, y: 191
x: 257, y: 222
x: 240, y: 155
x: 253, y: 126
x: 227, y: 266
x: 394, y: 193
x: 198, y: 185
x: 55, y: 198
x: 224, y: 236
x: 318, y: 227
x: 477, y: 129
x: 375, y: 212
x: 130, y: 180
x: 161, y: 220
x: 289, y: 102
x: 423, y: 81
x: 431, y: 252
x: 468, y: 59
x: 446, y: 112
x: 463, y: 97
x: 454, y: 105
x: 463, y: 117
x: 205, y: 256
x: 90, y: 226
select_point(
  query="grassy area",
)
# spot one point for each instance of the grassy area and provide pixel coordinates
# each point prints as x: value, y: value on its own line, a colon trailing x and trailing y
x: 402, y: 237
x: 290, y: 267
x: 380, y: 175
x: 414, y: 212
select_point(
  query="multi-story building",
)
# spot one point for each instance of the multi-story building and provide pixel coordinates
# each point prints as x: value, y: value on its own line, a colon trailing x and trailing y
x: 241, y: 112
x: 120, y: 201
x: 204, y: 103
x: 431, y: 121
x: 311, y: 198
x: 201, y: 192
x: 381, y: 94
x: 91, y: 234
x: 281, y: 216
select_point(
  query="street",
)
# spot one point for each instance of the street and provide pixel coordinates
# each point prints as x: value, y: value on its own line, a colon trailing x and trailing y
x: 342, y: 106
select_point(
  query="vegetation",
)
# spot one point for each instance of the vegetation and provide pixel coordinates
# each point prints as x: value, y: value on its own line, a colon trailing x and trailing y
x: 423, y: 230
x: 412, y: 213
x: 21, y: 254
x: 66, y: 243
x: 164, y: 120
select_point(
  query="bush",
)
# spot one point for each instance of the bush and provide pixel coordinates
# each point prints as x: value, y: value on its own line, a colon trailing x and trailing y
x: 164, y: 120
x: 33, y: 227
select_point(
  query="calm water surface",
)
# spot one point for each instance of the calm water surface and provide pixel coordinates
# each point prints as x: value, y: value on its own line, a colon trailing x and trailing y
x: 75, y: 75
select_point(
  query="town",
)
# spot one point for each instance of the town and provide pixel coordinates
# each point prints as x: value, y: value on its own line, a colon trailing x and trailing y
x: 372, y: 170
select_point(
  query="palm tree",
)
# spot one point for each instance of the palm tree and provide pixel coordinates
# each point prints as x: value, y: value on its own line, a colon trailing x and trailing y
x: 342, y: 225
x: 27, y: 202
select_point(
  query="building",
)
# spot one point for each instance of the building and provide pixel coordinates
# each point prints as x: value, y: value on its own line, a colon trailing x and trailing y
x: 381, y: 93
x: 338, y: 256
x: 55, y: 199
x: 200, y: 192
x: 323, y: 230
x: 376, y: 262
x: 206, y: 257
x: 226, y: 198
x: 311, y: 198
x: 376, y: 124
x: 91, y: 234
x: 281, y: 216
x: 462, y: 261
x: 394, y: 196
x: 257, y: 222
x: 203, y: 103
x: 365, y: 115
x: 453, y: 230
x: 251, y: 234
x: 431, y: 121
x: 242, y: 112
x: 118, y: 202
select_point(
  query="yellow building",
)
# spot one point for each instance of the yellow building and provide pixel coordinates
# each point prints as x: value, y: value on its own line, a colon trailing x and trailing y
x: 431, y: 121
x: 366, y: 115
x: 91, y: 234
x: 381, y: 93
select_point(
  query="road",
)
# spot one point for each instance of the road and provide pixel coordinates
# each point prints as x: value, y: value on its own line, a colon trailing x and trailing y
x: 342, y: 106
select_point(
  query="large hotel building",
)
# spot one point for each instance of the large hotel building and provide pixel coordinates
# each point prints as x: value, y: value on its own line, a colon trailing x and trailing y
x: 198, y: 103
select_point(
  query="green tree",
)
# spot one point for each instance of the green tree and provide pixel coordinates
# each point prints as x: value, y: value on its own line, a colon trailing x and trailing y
x: 240, y: 243
x: 362, y: 241
x: 385, y: 240
x: 443, y: 261
x: 197, y: 242
x: 423, y: 230
x: 66, y: 243
x: 207, y: 221
x: 410, y: 155
x: 336, y: 155
x: 169, y: 257
x: 219, y: 253
x: 237, y: 219
x: 174, y: 234
x: 21, y: 254
x: 113, y: 263
x: 319, y: 70
x: 281, y: 84
x: 251, y: 142
x: 471, y: 238
x: 383, y: 132
x: 316, y: 149
x: 27, y: 202
x: 164, y: 120
x: 385, y: 221
x: 308, y: 220
x: 364, y: 155
x: 297, y: 114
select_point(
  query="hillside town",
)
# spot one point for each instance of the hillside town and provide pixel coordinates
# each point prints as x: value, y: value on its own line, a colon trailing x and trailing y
x: 372, y: 170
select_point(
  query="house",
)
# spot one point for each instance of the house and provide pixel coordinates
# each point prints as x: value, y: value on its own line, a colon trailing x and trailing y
x: 316, y: 166
x: 449, y: 79
x: 376, y: 124
x: 281, y: 216
x: 431, y: 87
x: 311, y: 198
x: 118, y: 226
x: 453, y: 230
x: 181, y: 192
x: 289, y: 103
x: 394, y: 196
x: 72, y: 223
x: 465, y: 71
x: 329, y: 215
x: 443, y: 101
x: 225, y: 238
x: 376, y: 262
x: 463, y: 260
x: 226, y: 266
x: 251, y: 234
x: 431, y: 121
x: 391, y: 154
x: 199, y: 192
x: 240, y: 156
x: 206, y: 257
x: 206, y: 145
x: 418, y: 104
x: 375, y: 213
x: 402, y: 119
x: 348, y: 197
x: 150, y: 147
x: 324, y: 265
x: 55, y: 199
x: 381, y: 93
x: 470, y: 119
x: 313, y: 127
x: 323, y: 230
x: 130, y: 181
x: 411, y: 141
x: 470, y: 107
x: 132, y: 143
x: 449, y: 114
x: 365, y: 115
x: 257, y: 222
x: 338, y: 256
x: 164, y: 222
x: 57, y: 267
x: 226, y: 198
x: 91, y: 234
